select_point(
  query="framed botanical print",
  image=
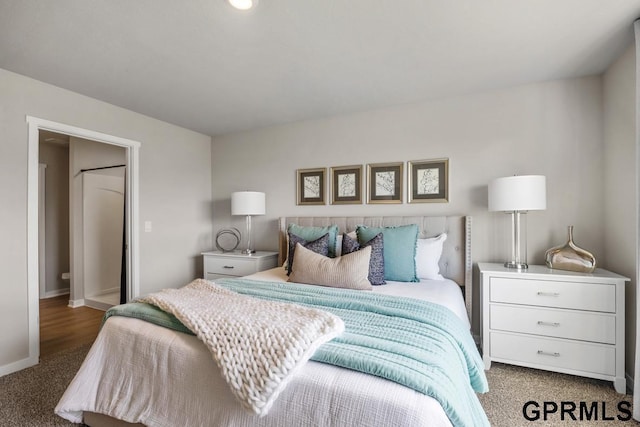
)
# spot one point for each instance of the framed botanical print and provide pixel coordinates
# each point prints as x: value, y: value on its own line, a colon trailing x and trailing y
x: 310, y: 185
x: 428, y: 181
x: 346, y: 185
x: 384, y: 182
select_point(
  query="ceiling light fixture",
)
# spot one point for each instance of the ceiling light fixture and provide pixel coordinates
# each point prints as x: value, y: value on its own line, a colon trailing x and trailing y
x: 243, y: 4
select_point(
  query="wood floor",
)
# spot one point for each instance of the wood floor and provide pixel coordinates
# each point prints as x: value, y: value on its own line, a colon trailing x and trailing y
x: 63, y: 327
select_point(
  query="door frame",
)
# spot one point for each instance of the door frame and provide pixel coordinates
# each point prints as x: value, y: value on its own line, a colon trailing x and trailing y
x: 42, y: 168
x: 132, y: 216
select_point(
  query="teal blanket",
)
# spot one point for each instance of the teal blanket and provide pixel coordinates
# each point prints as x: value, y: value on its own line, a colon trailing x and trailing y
x: 421, y: 345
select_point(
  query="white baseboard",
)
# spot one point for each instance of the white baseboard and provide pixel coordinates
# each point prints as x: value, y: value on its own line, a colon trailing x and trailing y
x: 18, y: 366
x: 56, y: 293
x: 104, y: 292
x: 76, y: 303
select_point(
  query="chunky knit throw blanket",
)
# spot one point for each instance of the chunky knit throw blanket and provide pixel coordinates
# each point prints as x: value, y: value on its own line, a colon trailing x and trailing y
x: 258, y: 345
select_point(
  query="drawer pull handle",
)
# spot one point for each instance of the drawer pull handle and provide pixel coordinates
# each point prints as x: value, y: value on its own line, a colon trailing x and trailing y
x: 228, y: 266
x: 548, y: 353
x: 541, y: 323
x: 548, y: 294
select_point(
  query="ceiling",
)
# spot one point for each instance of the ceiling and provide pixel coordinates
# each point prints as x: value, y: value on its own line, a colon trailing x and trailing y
x: 202, y: 65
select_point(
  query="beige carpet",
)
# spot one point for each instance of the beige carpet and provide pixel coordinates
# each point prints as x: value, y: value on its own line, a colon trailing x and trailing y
x: 27, y: 398
x: 511, y: 387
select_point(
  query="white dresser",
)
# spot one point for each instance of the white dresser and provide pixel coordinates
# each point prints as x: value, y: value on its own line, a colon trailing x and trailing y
x: 234, y: 264
x: 555, y: 320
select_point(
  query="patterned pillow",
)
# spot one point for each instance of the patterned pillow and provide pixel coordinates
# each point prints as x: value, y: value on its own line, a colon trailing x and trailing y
x: 320, y: 246
x: 376, y: 263
x: 310, y: 233
x: 347, y: 271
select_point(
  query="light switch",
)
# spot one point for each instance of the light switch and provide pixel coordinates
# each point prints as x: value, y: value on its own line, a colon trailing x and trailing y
x: 147, y: 227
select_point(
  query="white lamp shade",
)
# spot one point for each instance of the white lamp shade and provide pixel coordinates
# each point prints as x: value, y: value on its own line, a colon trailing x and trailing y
x: 248, y: 203
x: 518, y: 193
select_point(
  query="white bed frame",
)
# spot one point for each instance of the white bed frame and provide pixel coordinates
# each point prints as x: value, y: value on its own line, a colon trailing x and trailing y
x: 455, y: 263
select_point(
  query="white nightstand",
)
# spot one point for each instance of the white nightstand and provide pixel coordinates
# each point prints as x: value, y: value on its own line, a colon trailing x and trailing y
x: 555, y: 320
x: 234, y: 264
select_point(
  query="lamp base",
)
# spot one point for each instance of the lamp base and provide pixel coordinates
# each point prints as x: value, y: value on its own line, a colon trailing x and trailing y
x: 518, y: 265
x: 248, y: 251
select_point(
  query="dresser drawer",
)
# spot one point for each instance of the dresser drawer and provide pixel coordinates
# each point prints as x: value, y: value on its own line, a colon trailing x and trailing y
x: 553, y: 353
x: 560, y: 294
x: 214, y: 276
x: 578, y: 325
x: 229, y: 266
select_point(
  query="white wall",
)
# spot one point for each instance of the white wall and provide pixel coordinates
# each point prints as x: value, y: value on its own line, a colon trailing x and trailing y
x: 85, y: 154
x: 175, y: 194
x: 620, y: 192
x: 553, y: 129
x: 56, y: 157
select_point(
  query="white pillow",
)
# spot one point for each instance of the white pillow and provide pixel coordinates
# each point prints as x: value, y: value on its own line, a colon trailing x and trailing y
x: 348, y: 271
x: 428, y: 253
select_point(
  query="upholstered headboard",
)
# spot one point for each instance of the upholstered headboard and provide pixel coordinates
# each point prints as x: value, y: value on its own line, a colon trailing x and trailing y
x: 455, y: 263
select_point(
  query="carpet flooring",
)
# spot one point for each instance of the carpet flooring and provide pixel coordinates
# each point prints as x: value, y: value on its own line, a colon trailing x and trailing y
x: 511, y: 387
x: 27, y: 398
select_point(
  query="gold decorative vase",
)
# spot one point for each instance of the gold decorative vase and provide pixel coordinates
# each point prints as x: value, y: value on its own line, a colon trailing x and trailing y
x: 570, y: 257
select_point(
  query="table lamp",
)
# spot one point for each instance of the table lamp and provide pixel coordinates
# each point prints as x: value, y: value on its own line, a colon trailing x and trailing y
x: 248, y: 203
x: 516, y: 195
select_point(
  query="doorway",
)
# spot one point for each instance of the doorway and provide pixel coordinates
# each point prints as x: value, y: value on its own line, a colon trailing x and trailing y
x: 130, y: 214
x: 82, y: 210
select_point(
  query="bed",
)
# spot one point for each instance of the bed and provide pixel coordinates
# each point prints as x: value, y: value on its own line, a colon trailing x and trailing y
x: 141, y: 373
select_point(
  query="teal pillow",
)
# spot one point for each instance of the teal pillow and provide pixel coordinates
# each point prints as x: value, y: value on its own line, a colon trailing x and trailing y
x: 314, y: 233
x: 399, y: 250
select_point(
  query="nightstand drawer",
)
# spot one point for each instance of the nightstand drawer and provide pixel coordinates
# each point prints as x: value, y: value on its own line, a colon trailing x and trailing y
x: 214, y: 276
x: 229, y: 266
x: 560, y: 294
x: 578, y: 325
x: 553, y: 353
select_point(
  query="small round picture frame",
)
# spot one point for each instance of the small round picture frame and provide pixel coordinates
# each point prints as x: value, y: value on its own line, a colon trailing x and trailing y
x: 228, y: 239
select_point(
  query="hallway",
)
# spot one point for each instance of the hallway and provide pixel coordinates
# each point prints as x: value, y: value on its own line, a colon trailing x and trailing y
x: 63, y: 327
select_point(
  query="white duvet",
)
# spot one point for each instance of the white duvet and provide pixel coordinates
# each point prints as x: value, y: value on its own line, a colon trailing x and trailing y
x: 143, y: 373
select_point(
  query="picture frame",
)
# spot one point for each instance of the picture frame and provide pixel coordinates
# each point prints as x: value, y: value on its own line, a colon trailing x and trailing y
x: 384, y: 182
x: 310, y: 186
x: 346, y: 185
x: 428, y: 181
